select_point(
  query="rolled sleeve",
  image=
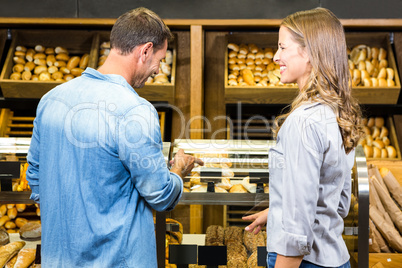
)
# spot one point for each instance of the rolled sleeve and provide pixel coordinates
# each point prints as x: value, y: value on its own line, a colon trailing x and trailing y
x: 302, y: 154
x: 140, y: 149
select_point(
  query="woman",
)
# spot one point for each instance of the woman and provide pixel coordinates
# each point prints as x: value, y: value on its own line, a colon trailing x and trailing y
x: 310, y: 166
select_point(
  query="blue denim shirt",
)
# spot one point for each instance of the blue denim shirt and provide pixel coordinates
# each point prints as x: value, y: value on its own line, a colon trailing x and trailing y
x: 309, y: 187
x: 96, y: 167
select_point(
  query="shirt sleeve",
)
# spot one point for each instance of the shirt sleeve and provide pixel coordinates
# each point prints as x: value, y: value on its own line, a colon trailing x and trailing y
x: 32, y: 173
x: 303, y: 154
x: 140, y: 149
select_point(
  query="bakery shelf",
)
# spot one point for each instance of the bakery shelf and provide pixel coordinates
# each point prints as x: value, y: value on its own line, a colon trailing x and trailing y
x: 376, y: 95
x: 15, y: 197
x: 389, y: 124
x: 285, y: 94
x: 77, y: 42
x: 256, y: 94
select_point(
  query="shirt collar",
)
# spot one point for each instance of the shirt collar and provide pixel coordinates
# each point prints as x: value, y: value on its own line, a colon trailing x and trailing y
x: 111, y: 78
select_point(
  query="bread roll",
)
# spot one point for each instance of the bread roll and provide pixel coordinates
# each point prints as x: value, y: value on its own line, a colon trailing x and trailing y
x: 19, y: 54
x: 386, y: 141
x: 49, y: 51
x: 248, y: 77
x: 60, y: 63
x: 63, y: 57
x: 68, y: 77
x: 368, y: 151
x: 50, y: 60
x: 233, y: 47
x: 9, y: 251
x: 15, y: 76
x: 20, y: 222
x: 29, y: 55
x: 45, y: 76
x: 76, y: 71
x: 390, y: 83
x: 73, y: 62
x: 29, y: 66
x: 60, y: 49
x: 40, y: 69
x: 379, y: 144
x: 382, y: 82
x: 39, y: 48
x: 20, y: 48
x: 384, y: 153
x: 376, y: 152
x: 375, y: 132
x: 12, y: 213
x: 382, y: 54
x: 391, y: 151
x: 26, y: 75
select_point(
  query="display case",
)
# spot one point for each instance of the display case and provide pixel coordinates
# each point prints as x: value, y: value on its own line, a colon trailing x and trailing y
x: 249, y: 159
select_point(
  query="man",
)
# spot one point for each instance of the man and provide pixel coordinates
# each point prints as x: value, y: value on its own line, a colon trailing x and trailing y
x: 95, y: 161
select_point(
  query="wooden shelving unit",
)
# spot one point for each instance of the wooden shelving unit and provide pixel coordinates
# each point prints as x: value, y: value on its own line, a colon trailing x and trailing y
x: 199, y: 89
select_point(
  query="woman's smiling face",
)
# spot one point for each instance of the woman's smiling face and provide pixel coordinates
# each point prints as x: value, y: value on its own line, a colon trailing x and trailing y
x: 293, y: 60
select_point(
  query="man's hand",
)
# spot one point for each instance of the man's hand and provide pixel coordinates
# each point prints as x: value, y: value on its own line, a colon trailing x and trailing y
x: 184, y: 163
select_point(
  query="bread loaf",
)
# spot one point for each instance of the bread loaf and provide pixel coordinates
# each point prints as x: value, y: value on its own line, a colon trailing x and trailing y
x: 9, y: 251
x: 4, y: 236
x: 233, y: 234
x: 31, y: 231
x: 214, y: 235
x: 253, y: 241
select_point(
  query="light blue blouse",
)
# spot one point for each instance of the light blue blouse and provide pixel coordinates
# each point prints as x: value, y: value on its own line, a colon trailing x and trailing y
x: 310, y: 187
x: 96, y: 167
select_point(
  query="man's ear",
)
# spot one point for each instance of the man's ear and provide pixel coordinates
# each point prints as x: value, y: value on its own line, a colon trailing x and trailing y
x: 146, y: 50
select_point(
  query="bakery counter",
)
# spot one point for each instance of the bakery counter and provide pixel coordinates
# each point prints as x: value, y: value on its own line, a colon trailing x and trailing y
x: 236, y: 199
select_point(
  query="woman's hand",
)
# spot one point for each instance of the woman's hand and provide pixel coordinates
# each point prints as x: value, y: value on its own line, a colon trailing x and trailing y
x: 259, y: 220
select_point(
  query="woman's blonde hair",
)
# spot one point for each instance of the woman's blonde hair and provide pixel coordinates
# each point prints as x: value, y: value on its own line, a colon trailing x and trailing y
x: 322, y: 34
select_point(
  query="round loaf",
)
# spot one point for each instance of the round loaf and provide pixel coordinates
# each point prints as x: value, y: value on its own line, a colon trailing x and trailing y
x: 214, y: 235
x: 31, y: 231
x: 233, y: 234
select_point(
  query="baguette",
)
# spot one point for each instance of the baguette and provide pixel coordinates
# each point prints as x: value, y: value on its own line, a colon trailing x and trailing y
x: 392, y: 184
x: 25, y: 257
x: 389, y: 232
x: 8, y: 251
x: 11, y: 263
x: 394, y: 212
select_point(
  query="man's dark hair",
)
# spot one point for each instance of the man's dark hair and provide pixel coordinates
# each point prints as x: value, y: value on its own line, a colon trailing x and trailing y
x: 136, y: 27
